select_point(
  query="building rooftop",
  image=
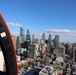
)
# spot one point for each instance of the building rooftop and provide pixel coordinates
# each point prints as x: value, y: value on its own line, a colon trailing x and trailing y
x: 46, y: 70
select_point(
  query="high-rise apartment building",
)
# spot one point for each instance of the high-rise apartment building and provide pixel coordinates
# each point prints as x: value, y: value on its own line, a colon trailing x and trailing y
x: 28, y: 36
x: 74, y: 51
x: 25, y: 44
x: 62, y: 50
x: 15, y: 39
x: 33, y: 48
x: 42, y: 41
x: 43, y: 48
x: 33, y: 37
x: 18, y: 42
x: 22, y: 34
x: 57, y: 41
x: 37, y: 41
x: 49, y: 39
x: 43, y: 37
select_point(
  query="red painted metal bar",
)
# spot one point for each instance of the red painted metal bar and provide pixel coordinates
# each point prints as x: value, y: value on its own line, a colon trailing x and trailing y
x: 6, y: 42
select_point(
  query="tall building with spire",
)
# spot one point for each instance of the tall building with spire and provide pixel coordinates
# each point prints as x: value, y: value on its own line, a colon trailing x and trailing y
x: 43, y: 37
x: 28, y: 36
x: 22, y: 34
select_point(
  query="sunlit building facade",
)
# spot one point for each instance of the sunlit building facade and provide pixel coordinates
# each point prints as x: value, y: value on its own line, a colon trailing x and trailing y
x: 28, y: 36
x: 22, y: 34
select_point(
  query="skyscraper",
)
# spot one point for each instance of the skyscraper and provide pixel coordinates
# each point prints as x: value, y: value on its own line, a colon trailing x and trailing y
x: 57, y: 41
x: 43, y: 37
x: 18, y: 42
x: 49, y: 39
x: 22, y: 34
x: 62, y: 51
x: 15, y: 39
x: 43, y: 48
x: 33, y: 37
x: 74, y: 51
x: 33, y: 48
x: 28, y: 37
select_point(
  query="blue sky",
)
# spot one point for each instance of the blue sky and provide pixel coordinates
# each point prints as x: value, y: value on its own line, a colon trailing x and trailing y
x: 40, y: 15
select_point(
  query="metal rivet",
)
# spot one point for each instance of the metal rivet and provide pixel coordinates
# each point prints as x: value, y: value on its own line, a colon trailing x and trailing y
x: 1, y: 28
x: 12, y: 66
x: 7, y: 45
x: 10, y: 53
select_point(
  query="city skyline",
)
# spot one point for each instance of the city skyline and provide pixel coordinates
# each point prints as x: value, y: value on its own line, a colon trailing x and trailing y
x: 41, y: 16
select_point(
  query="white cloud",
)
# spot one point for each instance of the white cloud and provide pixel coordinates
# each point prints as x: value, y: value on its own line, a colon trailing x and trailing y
x: 64, y: 34
x: 14, y: 24
x: 62, y: 31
